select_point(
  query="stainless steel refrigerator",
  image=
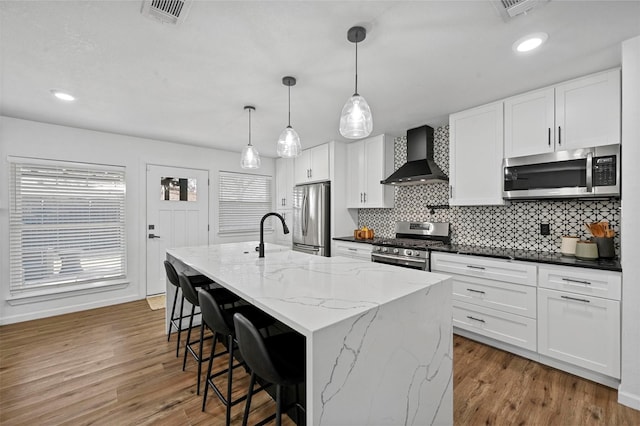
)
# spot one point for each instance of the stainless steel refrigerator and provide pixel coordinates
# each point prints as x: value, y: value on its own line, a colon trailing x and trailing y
x: 311, y: 218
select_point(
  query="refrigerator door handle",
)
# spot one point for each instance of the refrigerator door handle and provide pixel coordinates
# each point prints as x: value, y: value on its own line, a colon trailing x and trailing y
x: 305, y: 219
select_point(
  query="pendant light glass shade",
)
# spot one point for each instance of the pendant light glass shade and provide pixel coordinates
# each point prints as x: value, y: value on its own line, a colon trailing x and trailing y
x: 250, y: 158
x: 356, y: 120
x: 289, y: 141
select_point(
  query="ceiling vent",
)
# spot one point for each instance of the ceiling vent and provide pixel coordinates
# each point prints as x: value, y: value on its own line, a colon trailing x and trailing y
x: 509, y: 9
x: 166, y: 11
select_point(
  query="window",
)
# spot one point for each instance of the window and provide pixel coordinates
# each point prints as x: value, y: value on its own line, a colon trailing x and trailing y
x: 244, y: 199
x: 66, y: 224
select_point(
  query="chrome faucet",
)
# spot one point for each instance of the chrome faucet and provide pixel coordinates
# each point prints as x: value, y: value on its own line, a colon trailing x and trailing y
x: 284, y: 227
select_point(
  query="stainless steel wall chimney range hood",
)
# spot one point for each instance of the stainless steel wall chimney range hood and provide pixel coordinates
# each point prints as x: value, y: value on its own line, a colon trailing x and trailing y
x: 420, y: 167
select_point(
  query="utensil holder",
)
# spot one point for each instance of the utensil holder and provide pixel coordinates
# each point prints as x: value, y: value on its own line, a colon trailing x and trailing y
x: 606, y: 248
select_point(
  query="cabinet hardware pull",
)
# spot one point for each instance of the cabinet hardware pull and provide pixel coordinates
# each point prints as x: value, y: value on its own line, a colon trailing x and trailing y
x: 559, y: 135
x: 576, y: 299
x: 310, y: 172
x: 361, y: 197
x: 365, y: 197
x: 475, y: 319
x: 576, y: 281
x: 549, y: 136
x: 476, y: 291
x: 351, y: 249
x: 476, y: 267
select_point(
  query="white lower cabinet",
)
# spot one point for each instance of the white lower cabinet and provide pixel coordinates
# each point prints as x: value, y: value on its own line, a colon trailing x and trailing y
x: 353, y: 250
x: 567, y: 317
x: 575, y: 326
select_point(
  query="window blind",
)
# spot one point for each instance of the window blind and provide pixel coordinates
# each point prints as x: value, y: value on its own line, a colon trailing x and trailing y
x: 66, y: 224
x: 244, y: 199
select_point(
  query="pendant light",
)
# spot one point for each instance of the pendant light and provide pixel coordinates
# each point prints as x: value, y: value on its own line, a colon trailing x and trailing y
x: 250, y: 157
x: 356, y: 121
x: 289, y: 141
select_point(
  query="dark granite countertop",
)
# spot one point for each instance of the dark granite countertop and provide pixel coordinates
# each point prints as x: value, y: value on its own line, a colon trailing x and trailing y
x: 531, y: 256
x: 524, y: 255
x: 353, y: 240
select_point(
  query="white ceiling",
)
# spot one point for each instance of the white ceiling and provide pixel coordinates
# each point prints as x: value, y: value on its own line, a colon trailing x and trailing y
x: 188, y: 83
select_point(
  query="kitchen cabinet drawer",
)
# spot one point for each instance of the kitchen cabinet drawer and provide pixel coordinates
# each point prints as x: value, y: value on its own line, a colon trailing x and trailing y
x: 513, y: 329
x: 506, y: 297
x: 493, y: 269
x: 589, y: 282
x: 354, y: 250
x: 581, y: 330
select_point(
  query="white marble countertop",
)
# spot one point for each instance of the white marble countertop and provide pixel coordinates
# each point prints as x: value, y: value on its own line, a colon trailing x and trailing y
x: 306, y: 292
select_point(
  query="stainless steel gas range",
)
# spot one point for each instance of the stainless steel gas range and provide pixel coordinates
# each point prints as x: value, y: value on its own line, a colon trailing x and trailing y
x: 410, y: 247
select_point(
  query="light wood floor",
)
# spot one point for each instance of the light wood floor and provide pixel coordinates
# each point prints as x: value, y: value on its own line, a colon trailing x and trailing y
x: 113, y: 366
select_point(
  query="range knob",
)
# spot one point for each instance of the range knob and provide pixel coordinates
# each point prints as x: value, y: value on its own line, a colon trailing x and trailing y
x: 384, y: 249
x: 409, y: 252
x: 396, y: 251
x: 417, y: 254
x: 376, y: 249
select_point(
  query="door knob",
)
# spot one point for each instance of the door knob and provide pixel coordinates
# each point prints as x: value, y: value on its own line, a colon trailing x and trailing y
x: 154, y: 236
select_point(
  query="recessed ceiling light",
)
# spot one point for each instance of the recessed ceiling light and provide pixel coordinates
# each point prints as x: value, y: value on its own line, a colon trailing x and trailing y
x: 63, y: 96
x: 530, y: 42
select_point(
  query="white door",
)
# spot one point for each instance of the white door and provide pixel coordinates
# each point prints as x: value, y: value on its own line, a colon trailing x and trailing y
x: 177, y: 216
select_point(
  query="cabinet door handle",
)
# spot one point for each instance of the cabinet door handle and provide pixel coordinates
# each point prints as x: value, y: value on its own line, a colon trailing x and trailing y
x: 559, y: 135
x: 476, y: 291
x: 475, y: 319
x: 365, y: 197
x: 549, y: 136
x: 576, y: 299
x: 576, y: 281
x: 351, y: 249
x: 310, y: 172
x: 476, y: 267
x: 361, y: 197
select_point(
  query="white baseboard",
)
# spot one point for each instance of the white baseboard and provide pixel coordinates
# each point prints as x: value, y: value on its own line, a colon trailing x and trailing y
x: 629, y: 399
x: 66, y: 309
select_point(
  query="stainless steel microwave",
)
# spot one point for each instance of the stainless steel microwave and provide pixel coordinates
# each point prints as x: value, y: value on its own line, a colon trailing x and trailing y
x: 579, y: 173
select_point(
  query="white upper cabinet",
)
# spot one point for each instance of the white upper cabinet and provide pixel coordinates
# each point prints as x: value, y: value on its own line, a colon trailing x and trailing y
x: 529, y: 123
x: 284, y: 183
x: 312, y: 165
x: 370, y: 161
x: 475, y: 156
x: 580, y: 113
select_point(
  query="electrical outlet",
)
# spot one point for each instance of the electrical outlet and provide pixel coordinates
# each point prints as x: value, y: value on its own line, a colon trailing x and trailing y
x: 544, y: 229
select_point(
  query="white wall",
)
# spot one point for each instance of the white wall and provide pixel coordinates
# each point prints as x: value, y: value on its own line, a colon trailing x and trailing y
x: 629, y: 390
x: 32, y: 139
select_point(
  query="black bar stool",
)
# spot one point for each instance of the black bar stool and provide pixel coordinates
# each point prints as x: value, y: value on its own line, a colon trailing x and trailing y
x: 220, y: 322
x: 279, y: 360
x: 176, y: 322
x: 223, y: 296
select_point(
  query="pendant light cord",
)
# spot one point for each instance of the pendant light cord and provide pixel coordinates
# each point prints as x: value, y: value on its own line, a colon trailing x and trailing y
x: 249, y: 126
x: 356, y: 66
x: 289, y: 106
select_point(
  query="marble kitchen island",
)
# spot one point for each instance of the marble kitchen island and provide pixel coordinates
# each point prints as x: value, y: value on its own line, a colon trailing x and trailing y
x: 379, y: 337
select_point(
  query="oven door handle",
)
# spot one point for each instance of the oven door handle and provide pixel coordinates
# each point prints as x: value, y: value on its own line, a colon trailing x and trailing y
x: 405, y: 259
